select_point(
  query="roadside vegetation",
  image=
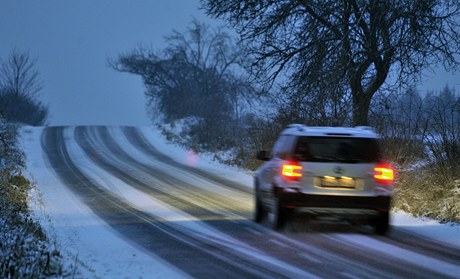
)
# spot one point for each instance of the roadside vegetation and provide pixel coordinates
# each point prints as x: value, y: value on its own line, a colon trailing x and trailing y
x: 200, y: 79
x: 19, y: 88
x: 25, y: 250
x: 422, y: 138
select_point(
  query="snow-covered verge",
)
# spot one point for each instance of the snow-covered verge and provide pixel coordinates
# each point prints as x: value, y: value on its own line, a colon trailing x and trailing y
x: 25, y: 251
x: 92, y: 249
x: 448, y: 233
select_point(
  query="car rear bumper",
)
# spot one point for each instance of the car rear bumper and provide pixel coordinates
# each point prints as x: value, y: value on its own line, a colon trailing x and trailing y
x: 354, y: 203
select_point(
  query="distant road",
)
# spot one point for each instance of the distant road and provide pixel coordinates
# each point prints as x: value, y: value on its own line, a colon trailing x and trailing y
x: 202, y: 225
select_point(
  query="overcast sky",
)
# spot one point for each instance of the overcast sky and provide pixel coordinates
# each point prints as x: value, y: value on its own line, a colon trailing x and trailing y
x: 73, y: 39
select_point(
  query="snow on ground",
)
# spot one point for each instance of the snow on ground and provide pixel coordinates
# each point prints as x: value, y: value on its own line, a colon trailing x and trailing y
x: 401, y: 254
x: 98, y: 251
x: 432, y: 229
x: 85, y: 240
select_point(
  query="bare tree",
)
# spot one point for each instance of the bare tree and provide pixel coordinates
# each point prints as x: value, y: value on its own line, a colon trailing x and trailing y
x: 358, y: 42
x: 401, y: 119
x: 19, y: 85
x: 443, y: 141
x: 199, y: 75
x: 19, y: 74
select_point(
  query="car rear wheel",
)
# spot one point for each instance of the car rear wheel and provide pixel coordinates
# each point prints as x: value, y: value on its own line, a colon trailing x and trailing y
x: 382, y: 223
x: 259, y: 211
x: 280, y: 214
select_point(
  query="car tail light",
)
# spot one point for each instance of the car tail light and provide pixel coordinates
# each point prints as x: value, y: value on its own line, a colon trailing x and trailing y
x: 384, y: 174
x: 292, y: 171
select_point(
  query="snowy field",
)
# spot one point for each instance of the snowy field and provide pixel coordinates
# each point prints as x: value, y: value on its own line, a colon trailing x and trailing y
x: 93, y: 250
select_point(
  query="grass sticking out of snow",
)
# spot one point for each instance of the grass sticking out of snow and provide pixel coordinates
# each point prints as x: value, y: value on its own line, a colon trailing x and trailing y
x: 25, y: 251
x: 430, y: 191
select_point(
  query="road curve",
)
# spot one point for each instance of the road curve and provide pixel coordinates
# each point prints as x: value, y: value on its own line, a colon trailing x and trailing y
x: 241, y: 248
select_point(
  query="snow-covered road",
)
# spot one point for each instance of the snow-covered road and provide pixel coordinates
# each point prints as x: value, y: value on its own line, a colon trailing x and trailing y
x: 124, y: 204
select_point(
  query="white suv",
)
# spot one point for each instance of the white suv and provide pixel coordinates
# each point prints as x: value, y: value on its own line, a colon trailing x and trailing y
x: 325, y: 171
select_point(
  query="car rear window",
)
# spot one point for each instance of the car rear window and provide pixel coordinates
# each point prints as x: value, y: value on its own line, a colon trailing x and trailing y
x: 337, y: 149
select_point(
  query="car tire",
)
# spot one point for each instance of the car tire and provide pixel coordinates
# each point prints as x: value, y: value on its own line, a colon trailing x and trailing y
x: 259, y: 211
x: 382, y: 223
x: 279, y: 215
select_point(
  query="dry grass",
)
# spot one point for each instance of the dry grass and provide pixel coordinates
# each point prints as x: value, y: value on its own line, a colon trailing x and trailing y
x: 25, y: 251
x: 431, y: 191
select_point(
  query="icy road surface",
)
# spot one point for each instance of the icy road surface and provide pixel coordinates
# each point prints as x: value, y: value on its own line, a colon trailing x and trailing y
x: 122, y: 208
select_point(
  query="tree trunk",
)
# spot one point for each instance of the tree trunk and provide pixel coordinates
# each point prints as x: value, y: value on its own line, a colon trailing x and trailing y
x: 362, y: 95
x: 361, y: 104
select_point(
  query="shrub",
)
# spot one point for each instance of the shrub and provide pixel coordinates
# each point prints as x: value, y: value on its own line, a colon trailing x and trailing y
x: 432, y: 191
x: 25, y: 251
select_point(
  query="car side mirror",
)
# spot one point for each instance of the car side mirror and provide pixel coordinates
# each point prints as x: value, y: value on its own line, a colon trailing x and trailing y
x: 262, y: 155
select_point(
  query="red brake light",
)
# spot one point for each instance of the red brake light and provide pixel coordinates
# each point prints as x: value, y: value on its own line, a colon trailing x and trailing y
x: 384, y: 174
x: 292, y: 171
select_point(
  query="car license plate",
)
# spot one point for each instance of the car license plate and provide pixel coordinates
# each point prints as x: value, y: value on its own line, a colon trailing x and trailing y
x: 338, y: 182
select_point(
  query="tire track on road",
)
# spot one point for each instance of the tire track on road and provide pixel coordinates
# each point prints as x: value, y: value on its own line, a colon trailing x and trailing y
x: 138, y: 140
x: 166, y: 187
x: 198, y: 258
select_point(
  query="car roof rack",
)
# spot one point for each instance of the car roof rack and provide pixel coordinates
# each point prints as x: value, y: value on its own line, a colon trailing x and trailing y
x: 301, y: 129
x: 365, y: 128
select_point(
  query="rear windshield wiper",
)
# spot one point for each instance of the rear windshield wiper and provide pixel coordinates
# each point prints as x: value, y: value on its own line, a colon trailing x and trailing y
x: 338, y: 159
x: 325, y: 159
